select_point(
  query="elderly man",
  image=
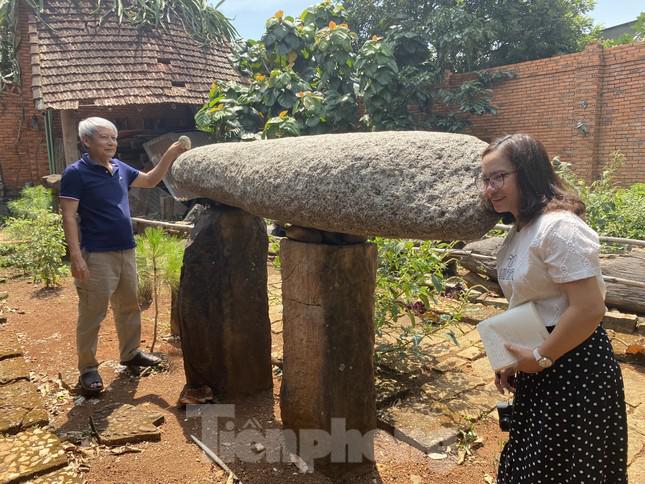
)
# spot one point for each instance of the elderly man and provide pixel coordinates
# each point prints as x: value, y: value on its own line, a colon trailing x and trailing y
x: 102, y: 245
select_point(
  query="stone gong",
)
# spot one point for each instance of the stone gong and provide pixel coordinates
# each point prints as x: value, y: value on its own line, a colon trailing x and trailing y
x: 403, y: 184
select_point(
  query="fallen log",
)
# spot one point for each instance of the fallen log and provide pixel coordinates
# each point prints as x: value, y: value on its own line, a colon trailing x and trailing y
x: 624, y: 274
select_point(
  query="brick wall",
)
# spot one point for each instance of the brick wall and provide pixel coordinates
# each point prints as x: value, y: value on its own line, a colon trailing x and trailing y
x: 600, y: 90
x: 23, y: 151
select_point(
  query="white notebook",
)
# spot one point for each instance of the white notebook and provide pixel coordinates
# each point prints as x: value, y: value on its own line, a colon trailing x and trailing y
x: 521, y: 325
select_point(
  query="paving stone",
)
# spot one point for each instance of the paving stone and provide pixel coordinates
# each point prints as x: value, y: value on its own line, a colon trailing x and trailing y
x: 634, y: 387
x: 450, y: 385
x: 13, y: 369
x: 450, y: 364
x: 472, y: 353
x: 66, y: 475
x: 618, y: 321
x: 636, y: 445
x: 476, y: 402
x: 422, y: 423
x: 20, y: 407
x: 481, y: 369
x: 69, y: 379
x: 119, y: 424
x: 29, y: 454
x: 636, y: 471
x: 388, y: 390
x: 9, y: 346
x: 636, y: 418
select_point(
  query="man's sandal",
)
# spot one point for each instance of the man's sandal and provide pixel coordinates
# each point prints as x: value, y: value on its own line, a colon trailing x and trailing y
x: 142, y: 359
x: 91, y: 383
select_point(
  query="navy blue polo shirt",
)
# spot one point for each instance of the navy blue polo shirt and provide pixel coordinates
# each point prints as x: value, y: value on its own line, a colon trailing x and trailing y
x: 103, y: 203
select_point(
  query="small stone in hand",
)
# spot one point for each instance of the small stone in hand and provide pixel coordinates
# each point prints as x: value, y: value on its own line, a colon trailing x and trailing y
x: 185, y: 142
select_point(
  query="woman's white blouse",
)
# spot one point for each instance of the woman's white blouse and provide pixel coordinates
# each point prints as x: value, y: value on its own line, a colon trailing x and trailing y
x: 556, y: 247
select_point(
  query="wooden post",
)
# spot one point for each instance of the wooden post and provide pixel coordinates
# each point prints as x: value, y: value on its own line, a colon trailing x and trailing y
x: 328, y: 373
x: 70, y: 136
x: 224, y: 306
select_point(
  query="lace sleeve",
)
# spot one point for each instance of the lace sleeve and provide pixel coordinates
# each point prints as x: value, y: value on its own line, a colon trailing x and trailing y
x: 570, y: 249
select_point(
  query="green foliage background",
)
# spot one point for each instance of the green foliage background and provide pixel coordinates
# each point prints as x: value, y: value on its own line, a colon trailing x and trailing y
x: 37, y: 233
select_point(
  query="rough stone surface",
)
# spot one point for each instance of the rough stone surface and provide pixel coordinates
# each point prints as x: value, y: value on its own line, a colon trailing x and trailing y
x: 328, y: 372
x: 618, y: 321
x: 67, y: 475
x: 20, y: 407
x: 30, y: 454
x: 9, y: 346
x: 415, y: 184
x: 422, y: 423
x: 13, y: 369
x: 223, y: 304
x: 120, y: 424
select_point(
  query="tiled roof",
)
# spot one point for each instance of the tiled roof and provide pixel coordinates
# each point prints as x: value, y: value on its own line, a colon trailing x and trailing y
x: 74, y: 62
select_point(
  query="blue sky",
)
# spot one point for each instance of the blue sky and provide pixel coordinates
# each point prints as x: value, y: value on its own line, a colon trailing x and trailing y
x: 249, y: 16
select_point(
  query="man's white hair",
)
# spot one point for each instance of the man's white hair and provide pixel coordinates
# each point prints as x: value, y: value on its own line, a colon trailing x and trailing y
x: 88, y: 126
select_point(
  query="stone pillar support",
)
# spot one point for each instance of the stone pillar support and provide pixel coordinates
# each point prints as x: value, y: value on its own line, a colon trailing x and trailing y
x: 223, y: 304
x: 328, y: 319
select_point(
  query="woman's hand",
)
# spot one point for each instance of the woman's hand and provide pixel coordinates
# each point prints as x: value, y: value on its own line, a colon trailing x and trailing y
x: 505, y: 380
x: 525, y: 360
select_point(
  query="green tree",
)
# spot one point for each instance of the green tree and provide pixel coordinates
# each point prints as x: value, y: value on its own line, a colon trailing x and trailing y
x: 466, y: 35
x: 308, y: 73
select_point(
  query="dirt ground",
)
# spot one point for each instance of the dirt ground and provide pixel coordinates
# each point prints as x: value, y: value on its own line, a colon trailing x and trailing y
x: 44, y: 321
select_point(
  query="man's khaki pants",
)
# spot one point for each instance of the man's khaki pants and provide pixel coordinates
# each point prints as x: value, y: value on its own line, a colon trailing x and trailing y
x: 113, y: 279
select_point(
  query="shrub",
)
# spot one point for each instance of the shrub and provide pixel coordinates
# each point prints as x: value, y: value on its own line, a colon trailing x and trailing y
x: 31, y: 202
x: 611, y: 211
x: 409, y: 276
x: 37, y: 235
x: 40, y: 246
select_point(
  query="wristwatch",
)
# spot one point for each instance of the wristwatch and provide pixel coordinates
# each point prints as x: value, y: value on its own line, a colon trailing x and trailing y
x: 542, y: 361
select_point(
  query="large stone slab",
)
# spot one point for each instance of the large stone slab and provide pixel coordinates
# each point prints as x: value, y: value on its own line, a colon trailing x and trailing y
x: 9, y: 345
x: 120, y: 424
x: 66, y: 475
x: 30, y: 454
x: 421, y: 423
x: 20, y: 407
x: 415, y: 184
x: 13, y: 369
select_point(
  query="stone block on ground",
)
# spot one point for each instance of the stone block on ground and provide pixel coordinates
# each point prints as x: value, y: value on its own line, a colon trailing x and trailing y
x: 421, y: 423
x: 472, y: 353
x: 69, y: 380
x: 388, y: 390
x: 9, y: 345
x: 66, y: 475
x: 450, y: 385
x: 30, y: 454
x: 477, y: 401
x: 451, y: 363
x: 393, y: 184
x: 20, y: 407
x: 13, y: 369
x: 623, y: 322
x: 634, y: 387
x: 120, y: 424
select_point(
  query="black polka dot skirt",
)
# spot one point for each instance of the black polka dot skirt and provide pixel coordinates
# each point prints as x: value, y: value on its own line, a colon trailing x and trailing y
x: 569, y: 421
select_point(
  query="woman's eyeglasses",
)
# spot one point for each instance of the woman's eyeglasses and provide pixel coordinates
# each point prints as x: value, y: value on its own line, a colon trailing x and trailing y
x: 495, y: 181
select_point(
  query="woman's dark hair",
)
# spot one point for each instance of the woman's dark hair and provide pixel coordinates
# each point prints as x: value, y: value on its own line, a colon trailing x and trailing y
x: 541, y: 189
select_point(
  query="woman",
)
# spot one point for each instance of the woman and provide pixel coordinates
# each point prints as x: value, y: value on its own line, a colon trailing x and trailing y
x: 569, y: 420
